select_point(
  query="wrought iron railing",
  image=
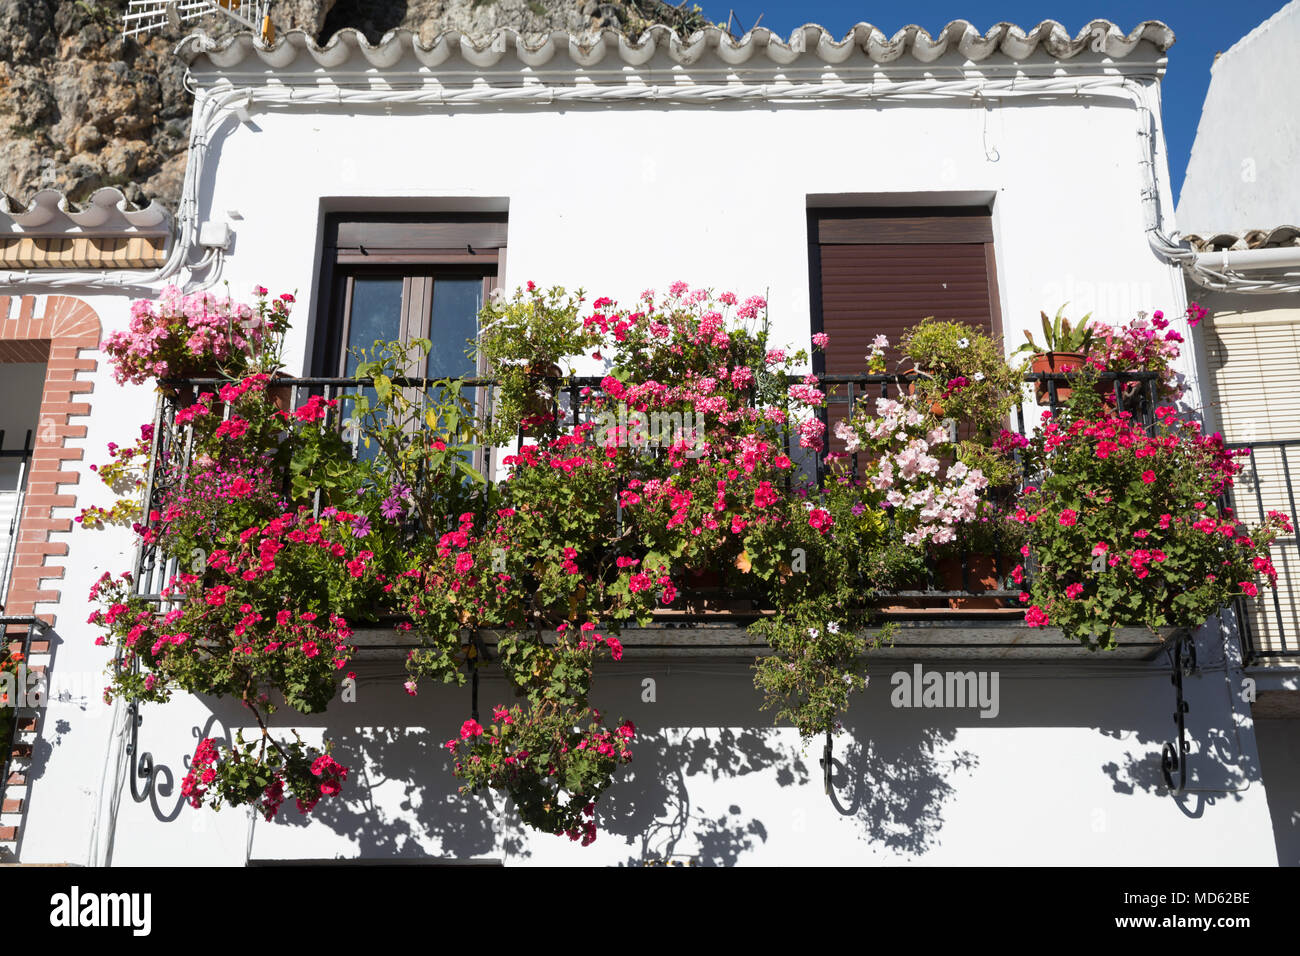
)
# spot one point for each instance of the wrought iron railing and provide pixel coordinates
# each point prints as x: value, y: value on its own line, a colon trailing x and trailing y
x: 1270, y: 623
x: 10, y: 719
x: 1134, y: 392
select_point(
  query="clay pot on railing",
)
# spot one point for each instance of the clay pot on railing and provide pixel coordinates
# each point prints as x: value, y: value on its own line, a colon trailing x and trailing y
x: 281, y: 396
x: 936, y: 408
x: 1055, y: 363
x: 539, y: 411
x: 982, y: 575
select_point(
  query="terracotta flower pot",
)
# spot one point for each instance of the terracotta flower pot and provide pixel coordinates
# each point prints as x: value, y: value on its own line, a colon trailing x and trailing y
x: 281, y: 395
x: 983, y: 576
x: 1055, y: 363
x: 539, y: 412
x: 936, y: 408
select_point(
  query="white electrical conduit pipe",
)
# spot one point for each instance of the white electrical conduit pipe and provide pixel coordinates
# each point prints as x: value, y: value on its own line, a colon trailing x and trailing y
x: 1218, y: 270
x: 1245, y: 260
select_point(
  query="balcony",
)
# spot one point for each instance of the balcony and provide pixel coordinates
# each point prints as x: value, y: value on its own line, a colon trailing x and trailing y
x: 934, y: 620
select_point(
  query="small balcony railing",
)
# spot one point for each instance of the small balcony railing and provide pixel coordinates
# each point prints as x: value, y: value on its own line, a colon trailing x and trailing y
x: 16, y: 717
x: 1135, y: 392
x: 1270, y: 622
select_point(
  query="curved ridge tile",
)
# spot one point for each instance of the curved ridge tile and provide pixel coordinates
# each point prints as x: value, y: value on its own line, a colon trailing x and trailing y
x: 829, y: 49
x: 1275, y: 238
x: 589, y: 49
x: 107, y: 211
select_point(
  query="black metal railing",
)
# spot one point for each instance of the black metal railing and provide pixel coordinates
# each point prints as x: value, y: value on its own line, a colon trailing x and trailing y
x: 1270, y: 623
x: 9, y: 712
x: 1135, y: 392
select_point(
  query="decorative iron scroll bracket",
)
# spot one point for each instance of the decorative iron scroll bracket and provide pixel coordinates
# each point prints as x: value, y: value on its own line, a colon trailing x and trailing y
x: 475, y: 653
x: 142, y: 766
x: 1173, y: 759
x: 828, y: 763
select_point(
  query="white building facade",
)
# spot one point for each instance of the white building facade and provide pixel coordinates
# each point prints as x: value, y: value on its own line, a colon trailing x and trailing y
x: 615, y: 166
x: 1240, y: 210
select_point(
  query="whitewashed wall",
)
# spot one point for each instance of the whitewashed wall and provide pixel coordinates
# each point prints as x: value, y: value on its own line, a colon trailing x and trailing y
x: 1241, y: 173
x: 616, y: 199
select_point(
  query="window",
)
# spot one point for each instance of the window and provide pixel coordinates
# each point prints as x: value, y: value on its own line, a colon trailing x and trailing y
x: 399, y: 278
x: 880, y: 271
x: 24, y: 383
x: 389, y: 278
x: 1253, y: 360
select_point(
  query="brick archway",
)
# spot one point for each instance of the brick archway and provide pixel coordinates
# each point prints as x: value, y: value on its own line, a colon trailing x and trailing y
x: 52, y: 329
x: 56, y: 336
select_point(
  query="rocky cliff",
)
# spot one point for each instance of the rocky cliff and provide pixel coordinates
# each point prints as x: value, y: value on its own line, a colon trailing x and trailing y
x: 82, y: 106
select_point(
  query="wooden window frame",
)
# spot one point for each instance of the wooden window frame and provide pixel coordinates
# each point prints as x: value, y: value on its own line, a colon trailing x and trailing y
x: 417, y: 297
x: 418, y: 247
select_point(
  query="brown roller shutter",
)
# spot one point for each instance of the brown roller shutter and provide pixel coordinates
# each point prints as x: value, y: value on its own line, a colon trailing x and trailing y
x: 880, y: 273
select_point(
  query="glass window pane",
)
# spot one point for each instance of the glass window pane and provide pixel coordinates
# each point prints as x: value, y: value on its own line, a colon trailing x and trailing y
x: 453, y: 323
x: 376, y: 315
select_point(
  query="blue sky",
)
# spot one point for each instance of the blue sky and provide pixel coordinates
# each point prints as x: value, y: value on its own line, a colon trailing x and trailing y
x: 1202, y: 28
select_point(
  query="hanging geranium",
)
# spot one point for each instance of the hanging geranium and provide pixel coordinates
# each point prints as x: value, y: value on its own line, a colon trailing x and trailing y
x: 178, y: 335
x: 1125, y: 526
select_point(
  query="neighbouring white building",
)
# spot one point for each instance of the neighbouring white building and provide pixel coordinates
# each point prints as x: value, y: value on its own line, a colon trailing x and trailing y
x: 1030, y: 163
x: 1240, y: 210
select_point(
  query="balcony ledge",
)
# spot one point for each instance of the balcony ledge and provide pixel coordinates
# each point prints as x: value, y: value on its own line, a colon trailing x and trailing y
x: 921, y: 635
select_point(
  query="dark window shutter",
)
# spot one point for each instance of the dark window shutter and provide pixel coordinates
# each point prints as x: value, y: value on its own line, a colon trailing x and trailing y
x: 882, y: 272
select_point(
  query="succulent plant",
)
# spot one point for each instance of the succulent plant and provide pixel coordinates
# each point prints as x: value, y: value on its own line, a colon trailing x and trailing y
x: 1060, y: 335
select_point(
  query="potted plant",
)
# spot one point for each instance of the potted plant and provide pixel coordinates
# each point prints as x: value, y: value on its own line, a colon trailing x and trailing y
x: 201, y: 335
x: 1064, y: 349
x: 972, y: 389
x: 1143, y: 344
x: 982, y: 559
x: 916, y: 471
x: 522, y: 341
x: 1124, y: 530
x: 964, y: 375
x: 10, y: 663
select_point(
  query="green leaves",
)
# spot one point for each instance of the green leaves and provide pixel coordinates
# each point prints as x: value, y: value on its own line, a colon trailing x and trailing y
x: 1165, y: 562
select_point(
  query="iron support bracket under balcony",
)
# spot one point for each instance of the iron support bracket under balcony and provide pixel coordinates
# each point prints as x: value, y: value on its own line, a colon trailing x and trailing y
x: 1173, y: 758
